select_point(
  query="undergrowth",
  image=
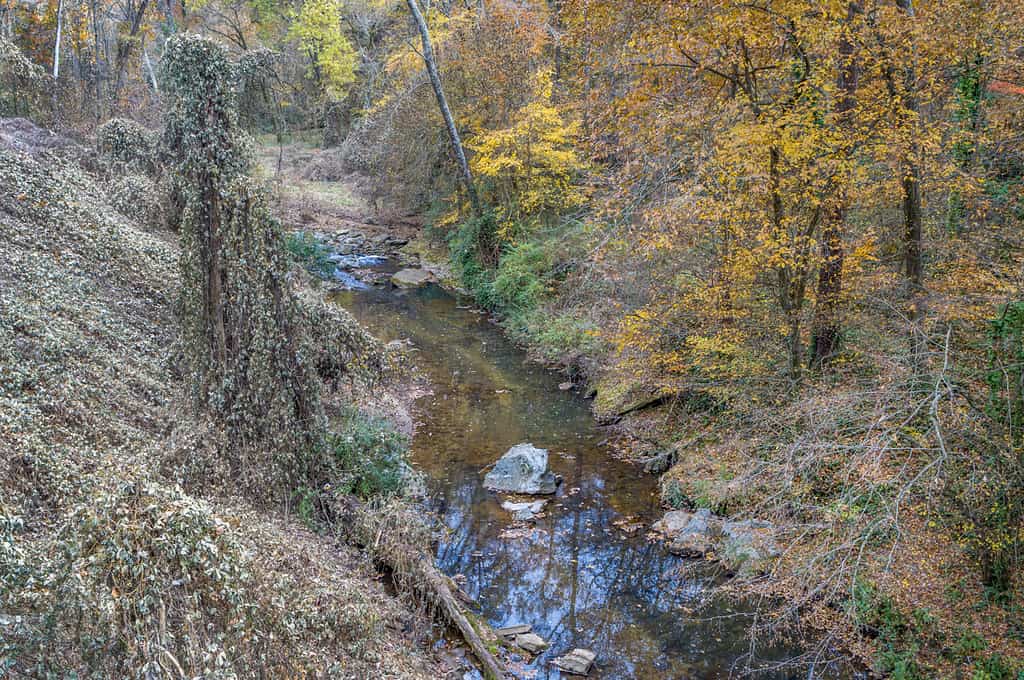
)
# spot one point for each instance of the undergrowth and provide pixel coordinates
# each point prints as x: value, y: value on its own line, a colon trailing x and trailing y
x: 520, y: 288
x: 307, y: 251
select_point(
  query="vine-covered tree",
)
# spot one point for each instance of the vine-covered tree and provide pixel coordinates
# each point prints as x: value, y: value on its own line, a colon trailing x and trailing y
x: 244, y: 349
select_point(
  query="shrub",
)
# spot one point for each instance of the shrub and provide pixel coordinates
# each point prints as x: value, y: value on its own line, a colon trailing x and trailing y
x: 464, y: 245
x: 523, y: 278
x: 368, y: 457
x: 988, y: 486
x: 997, y: 667
x: 127, y: 146
x: 558, y: 337
x: 308, y: 252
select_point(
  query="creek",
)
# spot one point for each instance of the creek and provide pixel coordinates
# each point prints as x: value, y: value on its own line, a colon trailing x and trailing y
x: 584, y: 574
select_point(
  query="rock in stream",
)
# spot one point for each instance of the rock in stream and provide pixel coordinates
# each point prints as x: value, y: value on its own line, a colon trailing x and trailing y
x: 411, y: 278
x: 523, y: 469
x: 576, y: 662
x: 745, y: 547
x: 524, y: 512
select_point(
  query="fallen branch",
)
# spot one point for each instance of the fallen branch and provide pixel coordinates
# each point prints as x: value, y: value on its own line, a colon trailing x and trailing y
x: 394, y: 538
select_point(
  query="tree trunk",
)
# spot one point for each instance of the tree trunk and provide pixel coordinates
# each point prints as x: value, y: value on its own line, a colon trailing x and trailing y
x: 911, y: 183
x: 56, y: 47
x: 149, y: 69
x: 789, y: 290
x: 826, y: 330
x: 558, y: 57
x: 913, y: 250
x: 442, y: 103
x: 96, y: 59
x: 124, y: 46
x: 913, y: 267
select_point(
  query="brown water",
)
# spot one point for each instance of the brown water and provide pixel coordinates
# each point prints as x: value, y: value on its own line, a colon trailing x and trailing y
x: 578, y: 578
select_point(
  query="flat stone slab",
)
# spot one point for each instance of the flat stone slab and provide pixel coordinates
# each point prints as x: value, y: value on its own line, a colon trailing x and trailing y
x: 512, y: 631
x: 524, y: 512
x: 531, y: 642
x: 576, y: 662
x: 411, y: 278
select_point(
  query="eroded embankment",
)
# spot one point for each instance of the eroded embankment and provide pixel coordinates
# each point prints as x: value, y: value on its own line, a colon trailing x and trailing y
x: 118, y: 553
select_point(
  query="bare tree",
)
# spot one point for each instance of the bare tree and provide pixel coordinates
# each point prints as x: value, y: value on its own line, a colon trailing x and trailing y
x: 442, y: 103
x: 56, y: 46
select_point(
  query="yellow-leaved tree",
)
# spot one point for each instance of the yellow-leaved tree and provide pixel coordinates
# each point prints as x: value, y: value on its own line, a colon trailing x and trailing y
x: 317, y: 27
x: 529, y: 170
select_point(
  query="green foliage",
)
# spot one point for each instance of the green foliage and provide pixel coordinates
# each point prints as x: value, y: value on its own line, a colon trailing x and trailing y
x: 126, y: 146
x: 900, y: 665
x: 464, y: 245
x: 997, y: 667
x: 969, y: 644
x: 991, y: 498
x: 368, y: 456
x: 307, y: 251
x: 561, y: 336
x: 900, y: 638
x: 523, y: 278
x: 875, y: 611
x: 527, y: 276
x: 1006, y: 369
x: 968, y: 105
x: 317, y: 28
x: 306, y: 506
x: 672, y: 492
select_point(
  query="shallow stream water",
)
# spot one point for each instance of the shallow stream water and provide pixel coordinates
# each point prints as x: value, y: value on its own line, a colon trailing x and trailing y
x: 580, y: 576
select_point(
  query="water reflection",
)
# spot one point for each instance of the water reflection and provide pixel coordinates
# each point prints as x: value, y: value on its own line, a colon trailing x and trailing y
x: 579, y: 580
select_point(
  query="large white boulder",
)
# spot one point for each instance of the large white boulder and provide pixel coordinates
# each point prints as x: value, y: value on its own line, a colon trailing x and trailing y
x: 523, y: 469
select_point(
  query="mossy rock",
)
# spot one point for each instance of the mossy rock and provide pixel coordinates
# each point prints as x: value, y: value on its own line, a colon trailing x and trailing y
x: 617, y: 396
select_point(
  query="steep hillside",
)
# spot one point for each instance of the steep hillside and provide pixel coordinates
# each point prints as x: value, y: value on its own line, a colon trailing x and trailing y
x: 109, y: 568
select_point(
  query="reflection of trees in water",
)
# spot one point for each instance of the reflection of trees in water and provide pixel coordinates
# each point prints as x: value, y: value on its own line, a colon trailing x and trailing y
x: 576, y: 584
x: 580, y: 582
x: 580, y: 585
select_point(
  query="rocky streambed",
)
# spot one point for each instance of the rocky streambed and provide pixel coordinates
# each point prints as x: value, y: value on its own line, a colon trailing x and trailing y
x: 584, y: 568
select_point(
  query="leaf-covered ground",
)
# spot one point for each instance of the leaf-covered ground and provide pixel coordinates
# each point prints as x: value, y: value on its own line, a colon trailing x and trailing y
x: 108, y: 568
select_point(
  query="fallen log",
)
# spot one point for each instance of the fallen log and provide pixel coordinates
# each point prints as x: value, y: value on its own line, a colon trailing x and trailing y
x: 394, y: 538
x: 439, y: 588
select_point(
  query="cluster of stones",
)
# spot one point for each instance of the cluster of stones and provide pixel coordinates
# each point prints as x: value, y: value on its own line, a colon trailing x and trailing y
x: 746, y: 547
x: 351, y: 242
x: 577, y: 662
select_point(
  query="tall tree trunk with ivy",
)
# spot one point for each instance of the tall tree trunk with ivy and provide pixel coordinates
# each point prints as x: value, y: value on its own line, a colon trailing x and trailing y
x: 242, y: 339
x: 826, y: 330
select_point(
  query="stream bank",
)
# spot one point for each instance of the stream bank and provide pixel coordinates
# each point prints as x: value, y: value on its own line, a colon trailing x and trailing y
x: 584, y: 573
